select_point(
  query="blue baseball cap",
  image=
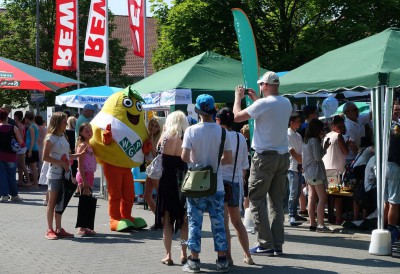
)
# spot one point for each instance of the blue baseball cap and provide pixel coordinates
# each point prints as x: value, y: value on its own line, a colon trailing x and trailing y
x: 205, y: 105
x: 89, y: 106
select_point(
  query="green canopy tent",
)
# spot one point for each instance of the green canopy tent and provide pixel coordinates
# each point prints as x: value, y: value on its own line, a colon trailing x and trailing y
x: 208, y: 72
x: 365, y: 63
x: 373, y: 62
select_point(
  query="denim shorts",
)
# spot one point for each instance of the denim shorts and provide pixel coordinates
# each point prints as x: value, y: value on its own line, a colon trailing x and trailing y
x: 232, y: 192
x: 54, y: 184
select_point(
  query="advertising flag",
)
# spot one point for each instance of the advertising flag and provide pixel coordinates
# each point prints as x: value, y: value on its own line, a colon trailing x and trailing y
x: 65, y: 57
x: 136, y: 23
x: 248, y: 52
x: 96, y: 39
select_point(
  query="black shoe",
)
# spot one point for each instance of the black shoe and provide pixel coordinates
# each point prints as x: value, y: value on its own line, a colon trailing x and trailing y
x: 77, y: 194
x: 313, y: 228
x: 300, y: 219
x: 303, y: 213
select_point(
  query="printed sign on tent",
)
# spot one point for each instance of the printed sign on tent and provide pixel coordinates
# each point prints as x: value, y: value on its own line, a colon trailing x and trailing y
x: 176, y: 97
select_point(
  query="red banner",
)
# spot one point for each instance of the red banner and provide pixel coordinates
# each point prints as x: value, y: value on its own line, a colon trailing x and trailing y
x: 65, y: 57
x: 136, y: 22
x: 96, y: 33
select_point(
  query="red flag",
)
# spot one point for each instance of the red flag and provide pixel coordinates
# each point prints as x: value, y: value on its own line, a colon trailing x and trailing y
x: 65, y: 57
x: 136, y: 22
x: 96, y: 34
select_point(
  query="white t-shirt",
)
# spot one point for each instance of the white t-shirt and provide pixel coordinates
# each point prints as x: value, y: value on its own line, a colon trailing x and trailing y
x: 356, y: 131
x: 203, y: 140
x: 295, y: 142
x: 334, y: 157
x: 271, y: 118
x: 242, y: 161
x: 60, y: 147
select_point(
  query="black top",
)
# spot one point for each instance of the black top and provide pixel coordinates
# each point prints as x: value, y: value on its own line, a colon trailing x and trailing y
x: 394, y: 149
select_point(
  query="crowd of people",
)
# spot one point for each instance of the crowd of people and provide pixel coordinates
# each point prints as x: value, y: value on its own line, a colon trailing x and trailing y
x: 285, y: 163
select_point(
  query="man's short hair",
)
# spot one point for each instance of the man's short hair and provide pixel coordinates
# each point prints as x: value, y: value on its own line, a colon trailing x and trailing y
x: 293, y: 117
x: 308, y: 110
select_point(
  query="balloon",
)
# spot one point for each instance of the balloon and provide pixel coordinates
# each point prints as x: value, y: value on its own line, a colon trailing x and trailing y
x: 329, y: 106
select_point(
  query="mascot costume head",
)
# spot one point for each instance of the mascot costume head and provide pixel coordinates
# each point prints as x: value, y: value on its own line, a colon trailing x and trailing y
x: 119, y: 143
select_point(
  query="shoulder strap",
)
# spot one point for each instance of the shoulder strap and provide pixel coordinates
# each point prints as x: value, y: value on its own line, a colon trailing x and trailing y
x: 221, y: 146
x: 237, y: 151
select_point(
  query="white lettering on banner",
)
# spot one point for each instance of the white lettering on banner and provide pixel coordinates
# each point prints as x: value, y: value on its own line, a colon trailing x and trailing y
x: 95, y: 43
x: 136, y: 21
x: 65, y: 35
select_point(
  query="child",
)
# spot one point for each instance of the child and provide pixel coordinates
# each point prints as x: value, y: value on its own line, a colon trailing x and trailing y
x: 86, y: 167
x: 314, y: 173
x: 154, y: 129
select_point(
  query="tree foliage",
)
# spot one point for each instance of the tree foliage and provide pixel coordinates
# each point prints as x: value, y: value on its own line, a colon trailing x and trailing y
x: 288, y: 33
x: 18, y: 33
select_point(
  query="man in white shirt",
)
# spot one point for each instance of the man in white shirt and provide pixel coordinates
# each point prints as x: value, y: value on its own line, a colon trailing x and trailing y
x: 270, y: 162
x: 200, y: 145
x: 355, y: 128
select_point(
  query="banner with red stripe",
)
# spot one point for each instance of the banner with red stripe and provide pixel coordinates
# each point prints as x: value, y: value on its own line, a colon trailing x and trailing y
x: 136, y: 22
x: 64, y: 56
x: 95, y: 42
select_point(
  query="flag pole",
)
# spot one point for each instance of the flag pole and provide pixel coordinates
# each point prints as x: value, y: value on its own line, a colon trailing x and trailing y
x: 145, y: 48
x: 78, y: 74
x: 107, y: 49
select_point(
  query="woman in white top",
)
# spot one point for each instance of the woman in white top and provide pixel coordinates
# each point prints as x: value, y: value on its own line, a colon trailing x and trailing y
x: 232, y: 176
x: 56, y: 153
x: 335, y: 157
x: 314, y: 173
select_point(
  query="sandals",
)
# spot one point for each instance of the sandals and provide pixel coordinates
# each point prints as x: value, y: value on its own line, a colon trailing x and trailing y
x: 167, y: 262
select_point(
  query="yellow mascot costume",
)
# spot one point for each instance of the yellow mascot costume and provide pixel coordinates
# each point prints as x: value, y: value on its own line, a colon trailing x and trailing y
x: 119, y: 143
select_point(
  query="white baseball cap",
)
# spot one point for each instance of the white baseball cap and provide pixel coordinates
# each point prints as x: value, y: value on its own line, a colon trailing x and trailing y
x: 269, y: 77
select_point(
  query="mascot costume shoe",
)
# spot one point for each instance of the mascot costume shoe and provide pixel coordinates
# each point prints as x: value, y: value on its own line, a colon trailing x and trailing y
x: 119, y: 143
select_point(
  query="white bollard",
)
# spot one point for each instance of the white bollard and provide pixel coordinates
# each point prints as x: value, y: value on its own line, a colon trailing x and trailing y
x: 248, y: 221
x: 380, y: 242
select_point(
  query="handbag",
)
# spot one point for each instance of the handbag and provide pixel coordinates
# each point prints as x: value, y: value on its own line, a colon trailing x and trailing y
x: 65, y: 193
x: 202, y: 182
x: 228, y: 185
x: 154, y: 169
x: 15, y: 146
x: 86, y: 211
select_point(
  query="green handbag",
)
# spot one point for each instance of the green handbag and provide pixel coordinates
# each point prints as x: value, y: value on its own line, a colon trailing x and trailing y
x: 202, y: 182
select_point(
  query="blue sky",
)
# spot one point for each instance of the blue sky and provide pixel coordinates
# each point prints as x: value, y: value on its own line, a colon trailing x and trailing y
x: 119, y: 7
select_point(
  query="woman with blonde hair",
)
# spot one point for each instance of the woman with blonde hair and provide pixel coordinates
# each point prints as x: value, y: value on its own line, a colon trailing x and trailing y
x: 154, y: 130
x: 170, y: 212
x: 56, y: 153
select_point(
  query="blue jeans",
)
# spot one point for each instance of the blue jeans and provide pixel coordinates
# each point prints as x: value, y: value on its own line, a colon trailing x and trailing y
x: 196, y: 207
x: 8, y: 183
x: 295, y: 181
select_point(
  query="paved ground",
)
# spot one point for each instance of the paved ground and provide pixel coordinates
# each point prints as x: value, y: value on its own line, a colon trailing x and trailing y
x: 24, y: 249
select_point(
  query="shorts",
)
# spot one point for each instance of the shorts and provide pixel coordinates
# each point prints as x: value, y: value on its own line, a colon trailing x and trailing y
x: 89, y: 178
x: 232, y: 191
x: 21, y: 151
x: 392, y: 185
x: 34, y: 158
x: 314, y: 182
x: 54, y: 184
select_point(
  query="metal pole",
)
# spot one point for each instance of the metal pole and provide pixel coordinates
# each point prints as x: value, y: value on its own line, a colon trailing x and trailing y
x: 78, y: 74
x: 37, y: 47
x: 145, y: 43
x: 107, y: 49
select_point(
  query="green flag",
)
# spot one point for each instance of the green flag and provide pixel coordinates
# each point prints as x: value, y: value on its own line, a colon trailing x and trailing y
x: 248, y: 52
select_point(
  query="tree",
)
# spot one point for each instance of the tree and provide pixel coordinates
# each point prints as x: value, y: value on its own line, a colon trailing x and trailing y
x: 18, y: 32
x: 288, y: 33
x: 192, y: 27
